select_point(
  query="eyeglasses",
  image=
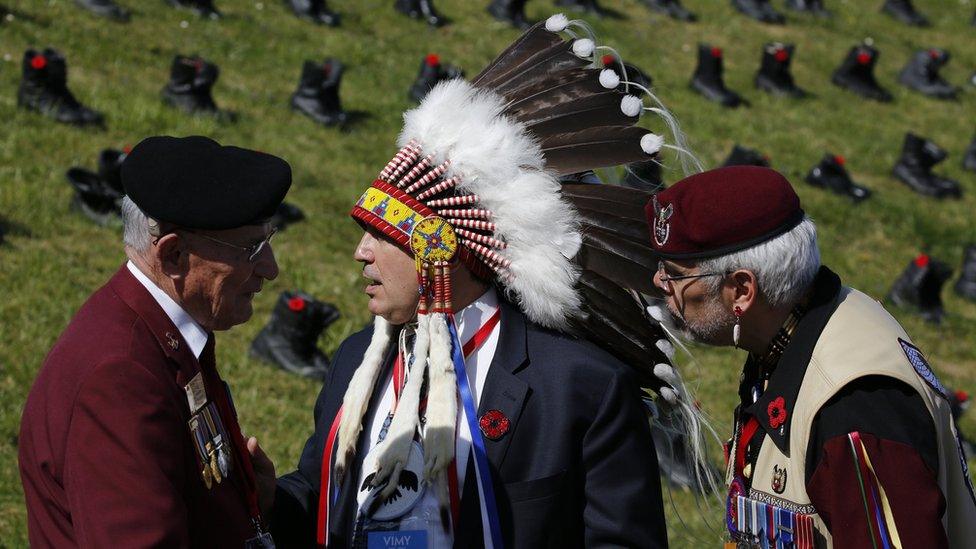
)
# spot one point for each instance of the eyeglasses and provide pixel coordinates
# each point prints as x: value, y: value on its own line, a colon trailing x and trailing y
x: 668, y: 279
x: 252, y: 251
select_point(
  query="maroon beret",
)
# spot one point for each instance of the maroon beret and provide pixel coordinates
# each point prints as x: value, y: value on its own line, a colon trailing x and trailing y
x: 721, y: 211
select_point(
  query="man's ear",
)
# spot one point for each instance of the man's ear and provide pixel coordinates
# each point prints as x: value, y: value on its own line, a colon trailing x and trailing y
x: 169, y: 254
x: 745, y: 291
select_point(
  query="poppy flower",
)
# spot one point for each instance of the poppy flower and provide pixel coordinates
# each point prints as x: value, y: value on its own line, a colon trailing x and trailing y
x: 777, y: 412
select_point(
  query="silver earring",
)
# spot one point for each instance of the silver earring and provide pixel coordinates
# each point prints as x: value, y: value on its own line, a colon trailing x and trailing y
x: 737, y: 329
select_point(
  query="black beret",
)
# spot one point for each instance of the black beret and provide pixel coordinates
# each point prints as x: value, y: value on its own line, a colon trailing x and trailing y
x: 196, y: 183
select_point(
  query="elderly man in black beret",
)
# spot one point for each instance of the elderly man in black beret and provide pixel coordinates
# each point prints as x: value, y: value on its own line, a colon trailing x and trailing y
x: 129, y: 437
x: 844, y: 436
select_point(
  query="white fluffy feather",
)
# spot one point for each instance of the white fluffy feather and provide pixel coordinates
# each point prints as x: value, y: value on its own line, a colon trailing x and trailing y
x: 499, y: 161
x: 665, y: 347
x: 584, y: 47
x: 557, y: 23
x: 651, y: 143
x: 356, y: 399
x: 609, y: 79
x: 631, y: 105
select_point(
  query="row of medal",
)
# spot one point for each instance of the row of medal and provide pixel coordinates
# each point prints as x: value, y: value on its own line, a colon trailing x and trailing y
x: 765, y: 526
x: 212, y: 444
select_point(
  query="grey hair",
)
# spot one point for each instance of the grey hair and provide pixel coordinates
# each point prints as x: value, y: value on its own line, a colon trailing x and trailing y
x: 784, y: 266
x: 135, y: 226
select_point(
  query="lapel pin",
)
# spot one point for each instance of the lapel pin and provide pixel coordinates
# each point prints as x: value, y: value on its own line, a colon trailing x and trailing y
x: 494, y: 424
x: 779, y: 479
x: 172, y: 341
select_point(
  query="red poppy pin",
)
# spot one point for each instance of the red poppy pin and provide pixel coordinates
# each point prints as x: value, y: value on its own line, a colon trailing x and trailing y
x: 777, y: 412
x: 296, y: 304
x: 494, y: 424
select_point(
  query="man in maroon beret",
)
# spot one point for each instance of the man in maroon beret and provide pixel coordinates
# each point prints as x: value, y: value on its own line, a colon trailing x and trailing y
x: 129, y: 437
x: 844, y: 435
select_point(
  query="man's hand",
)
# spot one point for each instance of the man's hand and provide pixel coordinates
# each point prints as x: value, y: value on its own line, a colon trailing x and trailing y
x: 264, y: 470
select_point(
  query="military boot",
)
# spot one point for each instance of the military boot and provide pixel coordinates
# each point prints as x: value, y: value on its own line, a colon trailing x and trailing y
x: 99, y: 195
x: 922, y: 74
x: 432, y: 71
x: 511, y: 12
x: 969, y: 157
x: 831, y: 174
x: 919, y: 287
x: 914, y: 168
x: 645, y: 176
x: 707, y: 79
x: 744, y: 156
x: 421, y: 9
x: 760, y: 10
x: 315, y: 11
x: 317, y: 96
x: 203, y: 8
x: 44, y: 88
x: 774, y: 72
x: 904, y: 11
x: 856, y: 74
x: 289, y: 339
x: 105, y: 8
x: 586, y: 6
x: 286, y: 214
x: 966, y: 285
x: 627, y: 72
x: 191, y: 80
x: 671, y: 8
x: 815, y: 7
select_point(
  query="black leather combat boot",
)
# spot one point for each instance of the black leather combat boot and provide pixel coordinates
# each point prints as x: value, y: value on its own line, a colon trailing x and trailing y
x: 315, y: 11
x: 856, y: 74
x: 203, y: 8
x: 707, y: 79
x: 191, y: 79
x: 914, y: 168
x: 760, y: 10
x: 317, y: 96
x: 421, y: 9
x: 815, y: 7
x: 586, y: 6
x: 744, y: 156
x: 904, y: 11
x: 105, y: 8
x: 919, y: 287
x: 966, y: 285
x: 922, y: 74
x: 99, y: 195
x: 289, y: 339
x: 831, y: 174
x: 44, y: 89
x: 286, y: 214
x: 969, y: 157
x: 671, y: 8
x: 511, y: 12
x: 774, y: 72
x: 431, y: 72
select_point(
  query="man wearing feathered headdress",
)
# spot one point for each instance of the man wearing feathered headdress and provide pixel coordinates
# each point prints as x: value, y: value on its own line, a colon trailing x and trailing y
x: 474, y: 411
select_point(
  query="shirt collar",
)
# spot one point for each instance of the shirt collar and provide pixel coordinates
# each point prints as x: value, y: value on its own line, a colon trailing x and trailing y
x: 784, y: 384
x: 194, y: 334
x: 472, y: 317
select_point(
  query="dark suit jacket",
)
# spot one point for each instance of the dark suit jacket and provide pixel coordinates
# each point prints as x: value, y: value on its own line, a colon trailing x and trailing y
x: 105, y: 452
x: 576, y: 467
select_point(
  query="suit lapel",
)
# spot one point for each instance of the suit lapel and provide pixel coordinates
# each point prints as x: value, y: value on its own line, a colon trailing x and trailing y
x: 503, y: 390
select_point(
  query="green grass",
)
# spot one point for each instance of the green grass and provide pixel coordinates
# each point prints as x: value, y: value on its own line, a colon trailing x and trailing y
x: 54, y: 258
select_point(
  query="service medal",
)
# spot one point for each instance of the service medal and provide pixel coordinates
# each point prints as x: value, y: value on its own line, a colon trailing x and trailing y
x: 214, y: 468
x: 207, y: 476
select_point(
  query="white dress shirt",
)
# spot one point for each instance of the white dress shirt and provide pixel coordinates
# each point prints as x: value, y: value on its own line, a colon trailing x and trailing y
x: 193, y: 334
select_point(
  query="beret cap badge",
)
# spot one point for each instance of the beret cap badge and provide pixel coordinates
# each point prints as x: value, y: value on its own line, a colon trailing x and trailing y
x: 662, y: 227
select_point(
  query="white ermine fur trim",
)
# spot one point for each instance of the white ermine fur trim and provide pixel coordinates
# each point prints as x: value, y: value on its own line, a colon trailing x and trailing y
x: 357, y: 396
x: 583, y: 48
x: 631, y: 105
x: 651, y: 143
x: 557, y: 23
x: 609, y: 79
x: 439, y: 431
x: 665, y: 347
x: 396, y: 445
x: 498, y: 160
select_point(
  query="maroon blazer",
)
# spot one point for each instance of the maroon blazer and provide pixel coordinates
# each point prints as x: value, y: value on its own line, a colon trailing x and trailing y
x: 106, y: 456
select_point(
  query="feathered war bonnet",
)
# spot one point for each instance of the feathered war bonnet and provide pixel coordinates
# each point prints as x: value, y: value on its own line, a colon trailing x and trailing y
x: 476, y: 181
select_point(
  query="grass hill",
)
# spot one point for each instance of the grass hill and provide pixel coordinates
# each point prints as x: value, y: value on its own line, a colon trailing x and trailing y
x: 54, y: 258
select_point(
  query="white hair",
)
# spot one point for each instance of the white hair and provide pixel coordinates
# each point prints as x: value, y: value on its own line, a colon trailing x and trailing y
x: 135, y: 226
x: 784, y: 266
